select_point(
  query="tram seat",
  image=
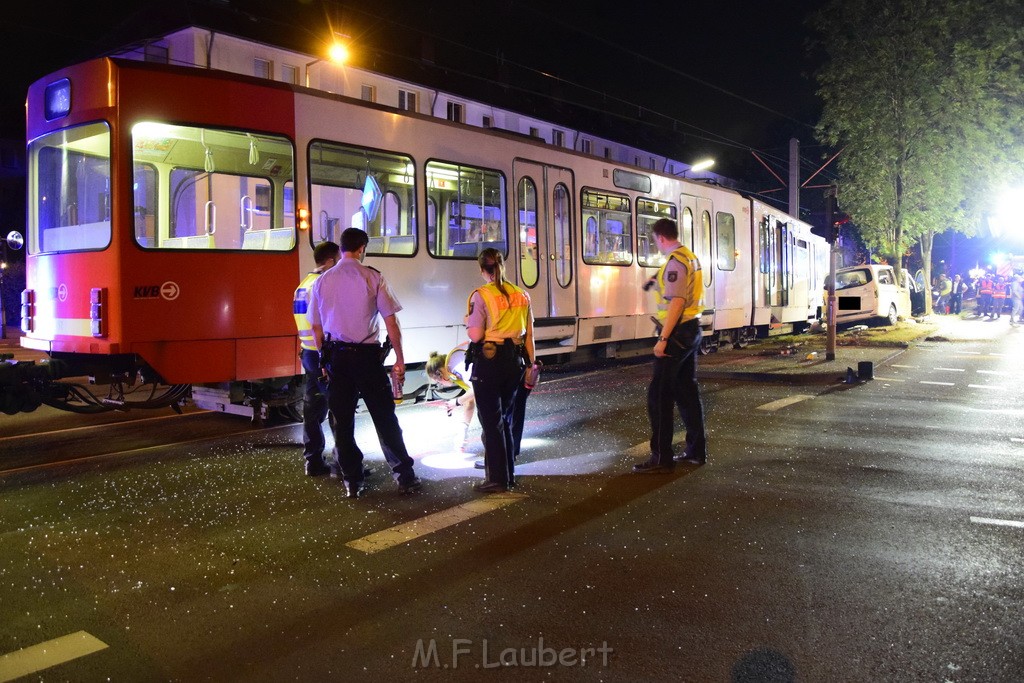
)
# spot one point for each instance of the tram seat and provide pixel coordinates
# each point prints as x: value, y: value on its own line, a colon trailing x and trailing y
x: 188, y: 242
x: 199, y: 242
x: 254, y: 239
x: 466, y: 249
x: 280, y: 239
x: 402, y: 244
x: 377, y: 245
x: 473, y: 249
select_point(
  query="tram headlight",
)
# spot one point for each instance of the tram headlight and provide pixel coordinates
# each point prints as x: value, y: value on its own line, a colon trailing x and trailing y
x: 303, y: 219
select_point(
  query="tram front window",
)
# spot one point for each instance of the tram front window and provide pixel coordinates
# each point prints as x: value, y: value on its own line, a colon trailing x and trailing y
x: 69, y: 190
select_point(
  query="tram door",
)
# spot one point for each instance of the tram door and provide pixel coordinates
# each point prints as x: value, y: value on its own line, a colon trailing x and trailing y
x: 695, y: 231
x: 543, y: 225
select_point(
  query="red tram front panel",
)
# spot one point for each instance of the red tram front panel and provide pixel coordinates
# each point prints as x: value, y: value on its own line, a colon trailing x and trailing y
x: 170, y: 264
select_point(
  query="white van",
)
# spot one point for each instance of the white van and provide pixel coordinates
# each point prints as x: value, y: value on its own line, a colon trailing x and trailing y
x: 871, y: 291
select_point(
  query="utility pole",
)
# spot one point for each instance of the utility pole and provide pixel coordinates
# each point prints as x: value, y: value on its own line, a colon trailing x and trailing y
x: 833, y: 237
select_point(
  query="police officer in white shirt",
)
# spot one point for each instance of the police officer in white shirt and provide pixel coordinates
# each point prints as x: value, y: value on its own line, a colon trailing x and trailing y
x: 345, y: 302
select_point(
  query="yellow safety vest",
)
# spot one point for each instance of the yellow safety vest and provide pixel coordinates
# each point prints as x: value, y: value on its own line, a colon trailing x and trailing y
x: 694, y: 284
x: 300, y: 304
x: 509, y: 317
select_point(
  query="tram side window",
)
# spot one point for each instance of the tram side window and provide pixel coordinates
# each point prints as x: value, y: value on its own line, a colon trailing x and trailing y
x: 705, y: 246
x: 562, y: 214
x: 607, y: 229
x: 686, y: 229
x: 527, y: 218
x: 356, y: 187
x: 69, y: 190
x: 648, y: 212
x: 726, y: 241
x: 224, y: 189
x: 472, y: 215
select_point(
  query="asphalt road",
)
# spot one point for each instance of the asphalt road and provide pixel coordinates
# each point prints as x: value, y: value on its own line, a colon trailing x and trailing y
x: 839, y: 532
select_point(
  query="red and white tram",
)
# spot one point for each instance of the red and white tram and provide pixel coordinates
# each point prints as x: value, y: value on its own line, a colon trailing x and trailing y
x: 172, y: 211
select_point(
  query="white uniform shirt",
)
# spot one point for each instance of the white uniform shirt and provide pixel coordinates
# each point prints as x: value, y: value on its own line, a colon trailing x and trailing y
x: 347, y: 299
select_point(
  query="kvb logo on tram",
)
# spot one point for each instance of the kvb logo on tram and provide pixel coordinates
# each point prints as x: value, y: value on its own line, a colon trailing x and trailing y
x: 168, y: 290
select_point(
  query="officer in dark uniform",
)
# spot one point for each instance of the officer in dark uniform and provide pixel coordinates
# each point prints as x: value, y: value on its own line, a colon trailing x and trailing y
x: 500, y: 324
x: 345, y: 302
x: 680, y: 283
x: 314, y: 399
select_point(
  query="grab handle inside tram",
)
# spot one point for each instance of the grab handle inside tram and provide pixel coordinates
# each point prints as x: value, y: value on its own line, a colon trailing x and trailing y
x: 211, y: 217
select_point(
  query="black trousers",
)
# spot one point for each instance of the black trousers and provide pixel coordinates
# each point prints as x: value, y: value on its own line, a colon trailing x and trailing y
x: 314, y: 408
x: 357, y: 372
x: 674, y: 385
x: 496, y: 382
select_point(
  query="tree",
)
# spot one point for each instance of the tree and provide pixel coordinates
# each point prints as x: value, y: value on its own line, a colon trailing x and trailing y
x: 924, y: 97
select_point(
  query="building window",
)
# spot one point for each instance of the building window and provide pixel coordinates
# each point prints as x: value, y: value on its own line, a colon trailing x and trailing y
x: 558, y: 138
x: 368, y: 93
x: 654, y: 163
x: 290, y: 74
x: 407, y: 100
x: 607, y: 152
x: 455, y: 112
x: 487, y: 122
x: 262, y: 68
x: 156, y: 53
x: 586, y: 146
x: 534, y: 132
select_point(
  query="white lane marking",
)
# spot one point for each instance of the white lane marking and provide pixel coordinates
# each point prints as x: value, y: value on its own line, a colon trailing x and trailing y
x: 35, y: 658
x: 986, y: 386
x: 998, y: 522
x: 1016, y: 440
x: 889, y: 379
x: 998, y: 355
x: 396, y: 535
x: 911, y: 367
x: 941, y: 384
x: 993, y: 372
x: 971, y: 353
x: 951, y: 369
x: 783, y: 402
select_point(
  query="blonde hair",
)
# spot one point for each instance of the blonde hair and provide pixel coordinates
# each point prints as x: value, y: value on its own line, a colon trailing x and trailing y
x: 493, y: 263
x: 434, y: 364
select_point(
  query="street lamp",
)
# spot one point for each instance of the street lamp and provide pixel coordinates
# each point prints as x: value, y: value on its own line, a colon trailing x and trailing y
x: 14, y: 241
x: 337, y: 53
x: 700, y: 166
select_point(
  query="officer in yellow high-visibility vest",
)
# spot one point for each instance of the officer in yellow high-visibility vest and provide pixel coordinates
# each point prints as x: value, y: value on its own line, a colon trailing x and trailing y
x: 500, y: 323
x: 314, y: 399
x: 674, y: 383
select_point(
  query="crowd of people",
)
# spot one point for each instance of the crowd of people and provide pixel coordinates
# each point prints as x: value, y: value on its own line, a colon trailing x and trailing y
x: 337, y: 311
x: 994, y: 295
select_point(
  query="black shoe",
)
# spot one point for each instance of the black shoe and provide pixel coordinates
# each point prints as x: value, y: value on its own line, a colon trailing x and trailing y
x: 354, y: 489
x: 690, y: 460
x: 652, y: 467
x: 316, y: 469
x: 491, y: 487
x: 411, y: 486
x: 479, y: 464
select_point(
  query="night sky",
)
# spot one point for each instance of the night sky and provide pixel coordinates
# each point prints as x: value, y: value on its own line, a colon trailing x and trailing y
x: 738, y: 71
